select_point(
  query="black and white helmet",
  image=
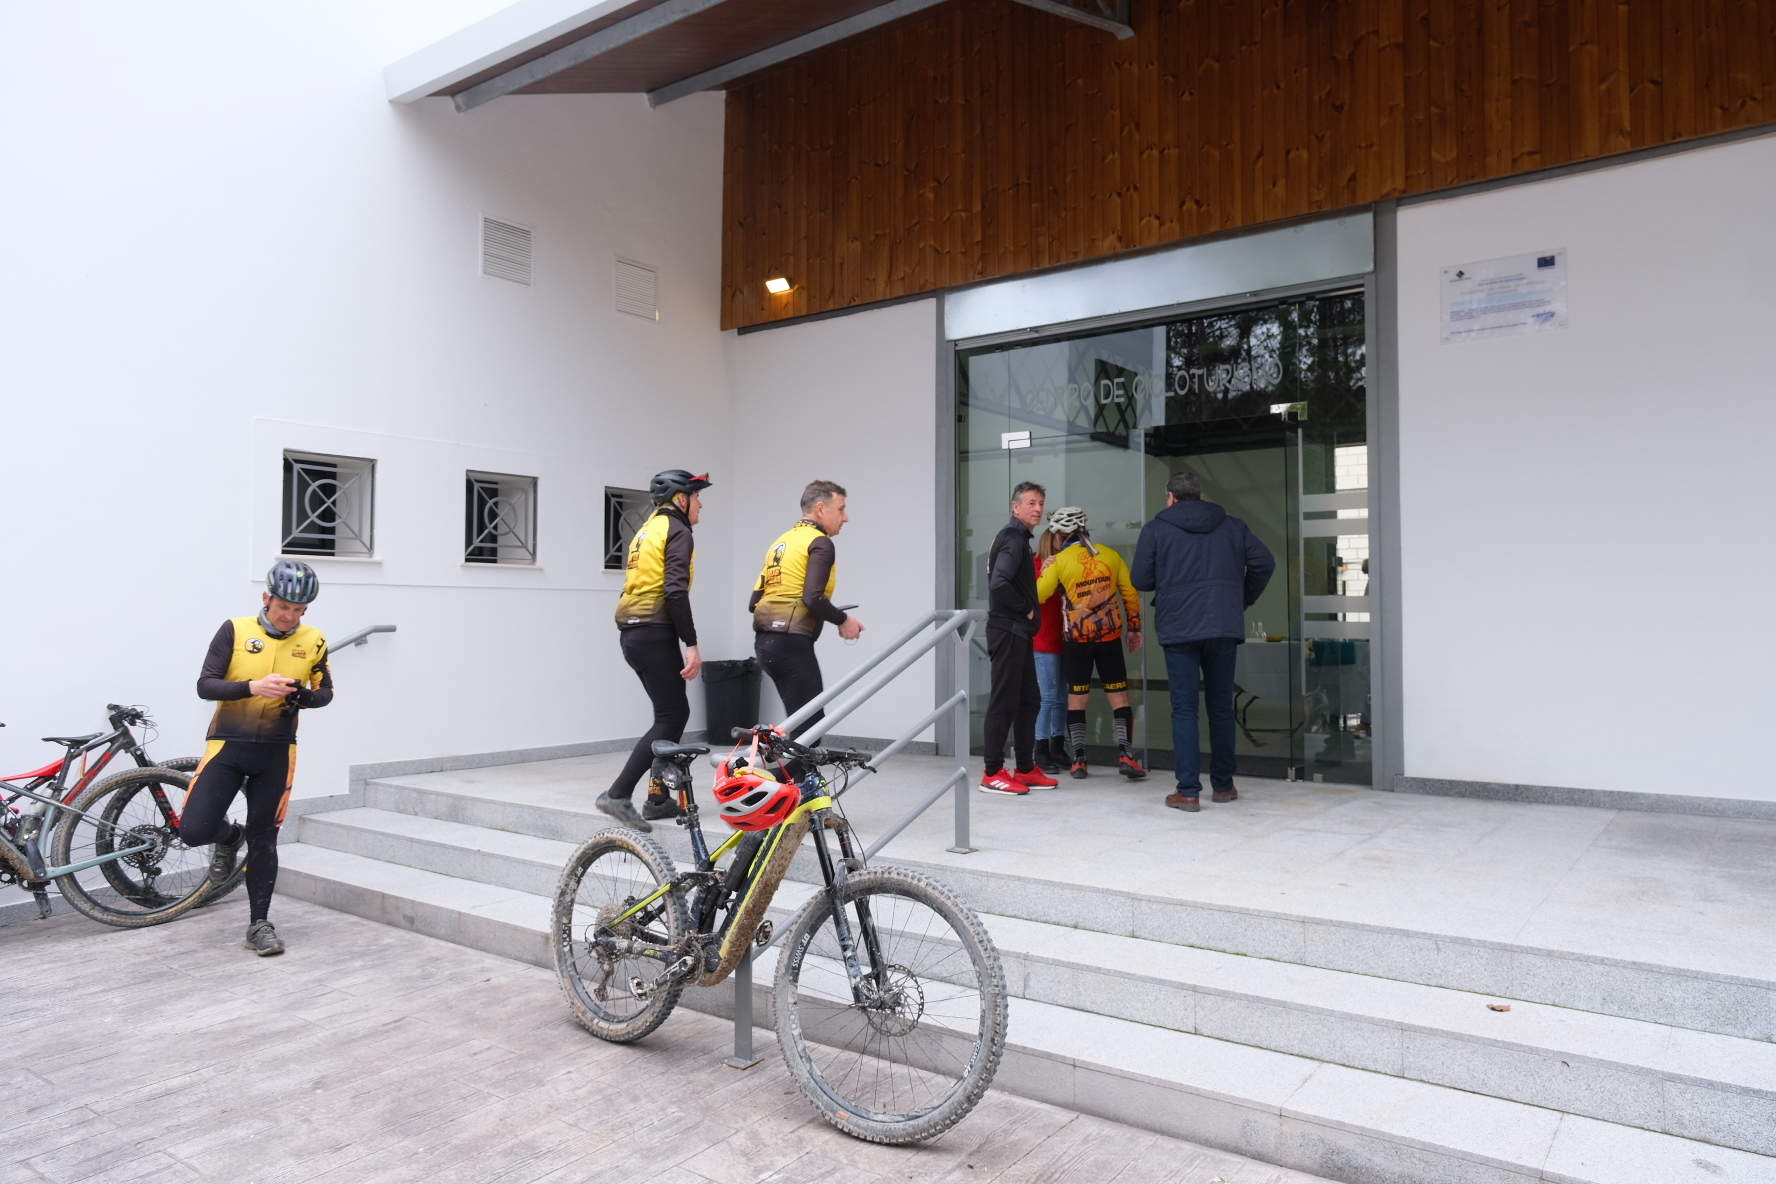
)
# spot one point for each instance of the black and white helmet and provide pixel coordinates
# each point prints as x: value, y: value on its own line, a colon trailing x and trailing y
x: 669, y: 483
x: 293, y: 580
x: 1067, y: 520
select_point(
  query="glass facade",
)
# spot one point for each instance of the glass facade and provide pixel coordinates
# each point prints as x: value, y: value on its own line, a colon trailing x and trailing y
x: 1267, y: 406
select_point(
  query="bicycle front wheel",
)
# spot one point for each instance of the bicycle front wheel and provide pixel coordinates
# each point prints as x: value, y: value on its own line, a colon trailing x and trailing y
x: 189, y: 764
x: 908, y: 1054
x: 616, y: 991
x: 158, y: 879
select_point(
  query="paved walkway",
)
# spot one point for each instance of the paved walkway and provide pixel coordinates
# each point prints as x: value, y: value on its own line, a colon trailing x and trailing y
x: 368, y: 1054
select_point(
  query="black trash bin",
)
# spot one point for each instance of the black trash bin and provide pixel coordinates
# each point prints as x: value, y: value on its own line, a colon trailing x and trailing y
x: 730, y: 697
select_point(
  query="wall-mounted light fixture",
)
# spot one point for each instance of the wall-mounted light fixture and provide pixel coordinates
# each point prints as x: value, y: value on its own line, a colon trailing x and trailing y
x: 777, y: 285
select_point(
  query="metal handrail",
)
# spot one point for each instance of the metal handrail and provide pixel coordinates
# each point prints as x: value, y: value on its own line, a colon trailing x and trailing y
x: 851, y: 678
x: 362, y: 636
x: 958, y: 623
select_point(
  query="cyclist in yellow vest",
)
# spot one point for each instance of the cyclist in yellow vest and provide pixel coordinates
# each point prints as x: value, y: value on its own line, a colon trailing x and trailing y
x: 653, y: 618
x: 1098, y: 601
x: 260, y: 671
x: 792, y: 599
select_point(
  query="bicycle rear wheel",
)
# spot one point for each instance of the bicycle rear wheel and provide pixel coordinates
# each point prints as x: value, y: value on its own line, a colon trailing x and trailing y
x: 615, y: 992
x: 188, y: 764
x: 155, y: 884
x: 913, y: 1056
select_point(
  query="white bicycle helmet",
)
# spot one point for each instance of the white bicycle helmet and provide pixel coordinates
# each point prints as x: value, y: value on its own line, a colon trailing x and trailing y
x: 1067, y: 520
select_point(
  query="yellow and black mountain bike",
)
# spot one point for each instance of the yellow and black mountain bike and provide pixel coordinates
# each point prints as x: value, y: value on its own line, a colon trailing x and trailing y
x: 889, y: 1001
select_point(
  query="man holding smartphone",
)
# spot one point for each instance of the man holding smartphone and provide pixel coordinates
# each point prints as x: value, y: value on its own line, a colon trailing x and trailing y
x: 260, y: 671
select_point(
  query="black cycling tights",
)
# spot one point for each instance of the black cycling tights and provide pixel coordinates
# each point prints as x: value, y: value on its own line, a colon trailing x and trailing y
x: 652, y: 652
x: 263, y: 772
x: 789, y: 659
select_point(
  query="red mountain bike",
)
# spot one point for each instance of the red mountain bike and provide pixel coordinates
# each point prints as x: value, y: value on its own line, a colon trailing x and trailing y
x: 61, y: 814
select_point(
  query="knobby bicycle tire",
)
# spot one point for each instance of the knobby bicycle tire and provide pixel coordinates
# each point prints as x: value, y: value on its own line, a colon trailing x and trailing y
x: 189, y: 764
x: 569, y: 934
x: 148, y: 905
x: 929, y: 1039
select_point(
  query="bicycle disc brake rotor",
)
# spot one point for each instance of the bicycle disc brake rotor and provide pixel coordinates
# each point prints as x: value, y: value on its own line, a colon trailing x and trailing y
x: 894, y: 1009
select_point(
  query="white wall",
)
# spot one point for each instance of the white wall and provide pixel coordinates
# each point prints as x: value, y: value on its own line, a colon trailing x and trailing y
x: 225, y: 242
x: 1585, y: 527
x: 851, y: 399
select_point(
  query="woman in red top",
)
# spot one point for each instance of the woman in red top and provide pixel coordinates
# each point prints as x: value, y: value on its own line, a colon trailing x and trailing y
x: 1051, y: 719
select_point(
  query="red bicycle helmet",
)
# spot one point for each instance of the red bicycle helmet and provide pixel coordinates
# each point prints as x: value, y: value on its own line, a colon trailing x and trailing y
x: 753, y: 799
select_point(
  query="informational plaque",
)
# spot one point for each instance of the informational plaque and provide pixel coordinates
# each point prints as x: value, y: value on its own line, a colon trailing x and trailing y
x: 1502, y: 297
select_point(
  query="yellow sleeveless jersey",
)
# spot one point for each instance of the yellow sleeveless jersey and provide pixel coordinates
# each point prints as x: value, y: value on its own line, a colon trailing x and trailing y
x: 1091, y: 586
x: 256, y: 653
x: 780, y: 607
x: 661, y: 561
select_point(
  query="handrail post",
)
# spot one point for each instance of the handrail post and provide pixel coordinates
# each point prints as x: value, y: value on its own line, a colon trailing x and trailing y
x: 959, y: 731
x: 744, y: 1057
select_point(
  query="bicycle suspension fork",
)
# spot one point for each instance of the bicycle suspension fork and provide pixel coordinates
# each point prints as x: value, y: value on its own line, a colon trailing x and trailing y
x: 836, y: 876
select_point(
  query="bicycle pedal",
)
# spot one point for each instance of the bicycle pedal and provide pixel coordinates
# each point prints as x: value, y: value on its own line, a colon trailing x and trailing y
x: 640, y: 990
x: 762, y: 937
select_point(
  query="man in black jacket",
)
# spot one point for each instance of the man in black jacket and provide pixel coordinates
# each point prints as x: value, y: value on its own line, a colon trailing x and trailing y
x: 1205, y: 568
x: 1012, y: 619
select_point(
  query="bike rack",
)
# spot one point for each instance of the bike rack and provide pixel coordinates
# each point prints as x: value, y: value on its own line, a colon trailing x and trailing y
x: 863, y: 682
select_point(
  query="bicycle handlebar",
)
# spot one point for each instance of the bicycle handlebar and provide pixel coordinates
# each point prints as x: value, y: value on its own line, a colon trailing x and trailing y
x: 120, y: 716
x: 776, y: 747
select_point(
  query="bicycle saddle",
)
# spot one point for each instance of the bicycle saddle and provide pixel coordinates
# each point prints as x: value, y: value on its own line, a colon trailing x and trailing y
x: 666, y: 750
x: 71, y: 741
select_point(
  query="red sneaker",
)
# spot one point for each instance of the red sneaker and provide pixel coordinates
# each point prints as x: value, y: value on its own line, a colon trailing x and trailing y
x: 1131, y: 768
x: 1035, y: 778
x: 1003, y: 782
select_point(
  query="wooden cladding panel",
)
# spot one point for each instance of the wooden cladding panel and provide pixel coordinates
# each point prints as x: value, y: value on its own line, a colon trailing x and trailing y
x: 983, y: 138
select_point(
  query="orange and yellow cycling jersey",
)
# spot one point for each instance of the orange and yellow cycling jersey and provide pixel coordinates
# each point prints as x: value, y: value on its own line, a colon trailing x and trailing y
x: 1097, y: 595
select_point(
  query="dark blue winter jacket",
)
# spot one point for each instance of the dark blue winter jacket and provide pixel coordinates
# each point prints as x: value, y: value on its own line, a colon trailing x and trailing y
x: 1204, y: 567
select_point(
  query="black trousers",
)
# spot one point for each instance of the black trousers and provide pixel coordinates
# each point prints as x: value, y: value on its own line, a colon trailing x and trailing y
x: 264, y: 772
x: 652, y: 652
x: 1014, y: 700
x: 789, y: 659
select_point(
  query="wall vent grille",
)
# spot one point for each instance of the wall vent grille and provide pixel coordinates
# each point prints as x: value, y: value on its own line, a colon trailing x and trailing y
x: 637, y: 290
x: 505, y: 250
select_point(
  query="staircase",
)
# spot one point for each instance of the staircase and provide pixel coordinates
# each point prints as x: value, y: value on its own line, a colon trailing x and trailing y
x: 1356, y: 1052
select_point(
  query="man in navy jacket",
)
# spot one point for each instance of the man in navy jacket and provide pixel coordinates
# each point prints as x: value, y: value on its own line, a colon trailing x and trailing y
x: 1205, y: 568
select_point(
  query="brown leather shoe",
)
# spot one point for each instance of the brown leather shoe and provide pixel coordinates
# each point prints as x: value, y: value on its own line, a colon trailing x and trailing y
x: 1225, y: 795
x: 1178, y: 801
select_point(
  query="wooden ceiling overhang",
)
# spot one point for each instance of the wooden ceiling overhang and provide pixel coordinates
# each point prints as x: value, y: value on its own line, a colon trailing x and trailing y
x: 665, y: 49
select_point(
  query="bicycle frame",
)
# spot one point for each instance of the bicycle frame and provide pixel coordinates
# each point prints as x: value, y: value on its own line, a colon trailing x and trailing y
x: 120, y: 739
x: 834, y: 874
x: 31, y: 854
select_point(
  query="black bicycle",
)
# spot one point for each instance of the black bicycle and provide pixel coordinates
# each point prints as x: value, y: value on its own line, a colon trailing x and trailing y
x: 889, y: 1000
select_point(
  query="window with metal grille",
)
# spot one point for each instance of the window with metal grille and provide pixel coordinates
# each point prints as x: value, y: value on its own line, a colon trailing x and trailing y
x: 624, y: 512
x: 499, y: 518
x: 329, y: 505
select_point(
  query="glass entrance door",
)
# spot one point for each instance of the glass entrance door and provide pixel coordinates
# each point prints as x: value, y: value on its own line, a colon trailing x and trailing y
x: 1067, y: 415
x: 1266, y: 407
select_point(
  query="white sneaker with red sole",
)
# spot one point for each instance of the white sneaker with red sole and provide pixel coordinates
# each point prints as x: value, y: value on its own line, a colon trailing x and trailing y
x: 1003, y: 782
